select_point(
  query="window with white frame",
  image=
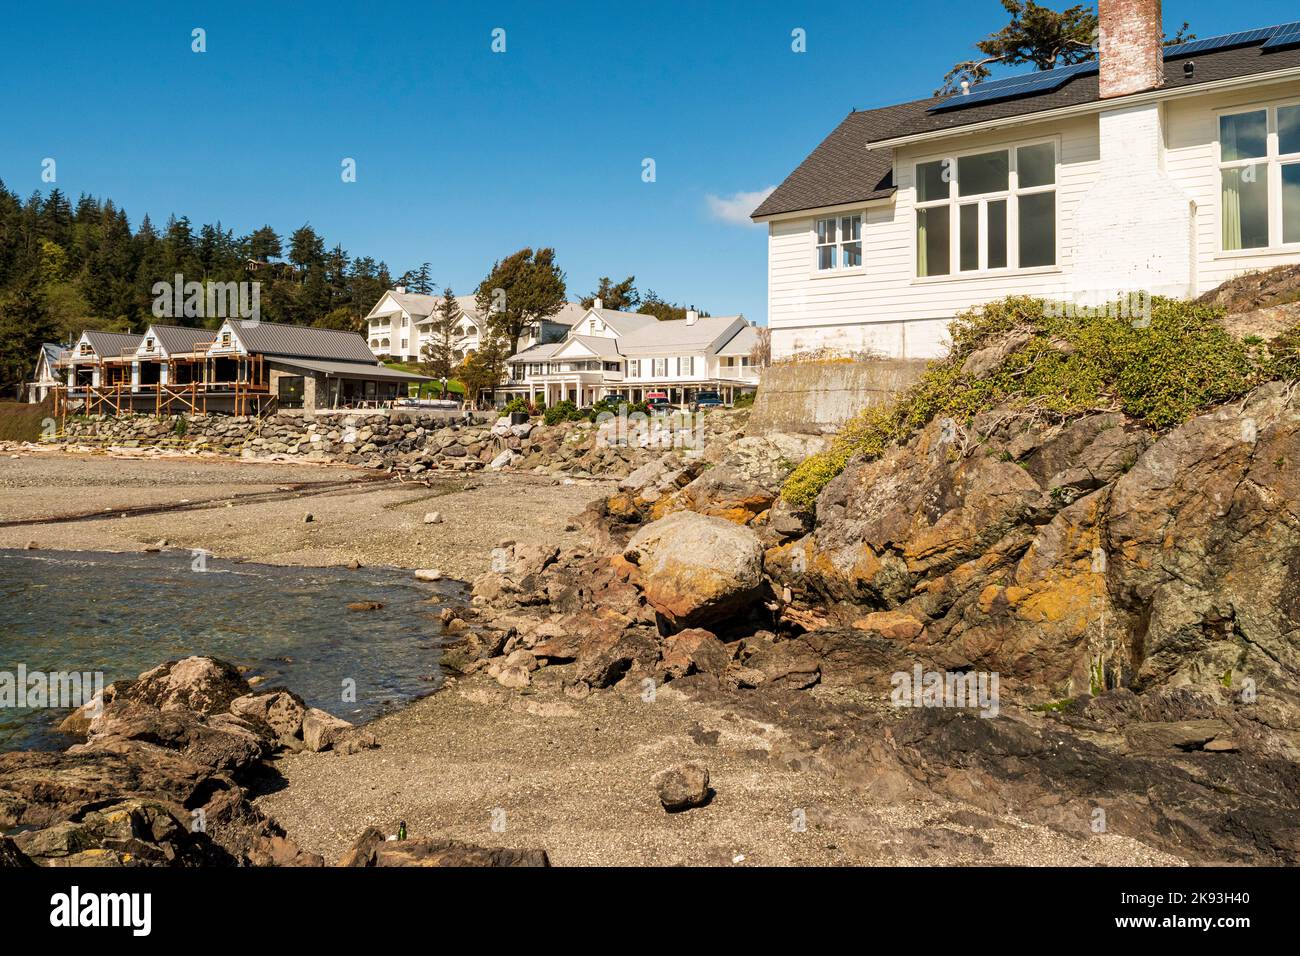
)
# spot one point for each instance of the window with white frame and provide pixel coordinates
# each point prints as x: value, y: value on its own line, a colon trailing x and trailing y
x: 839, y: 243
x: 634, y: 368
x: 985, y: 211
x: 1259, y: 176
x: 660, y: 368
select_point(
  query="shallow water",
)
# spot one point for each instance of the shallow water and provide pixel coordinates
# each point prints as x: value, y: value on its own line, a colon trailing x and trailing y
x: 125, y: 613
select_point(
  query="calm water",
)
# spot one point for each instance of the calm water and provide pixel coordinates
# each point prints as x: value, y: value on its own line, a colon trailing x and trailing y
x: 123, y: 614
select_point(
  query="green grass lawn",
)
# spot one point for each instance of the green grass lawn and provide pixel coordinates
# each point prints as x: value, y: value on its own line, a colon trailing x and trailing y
x: 428, y: 389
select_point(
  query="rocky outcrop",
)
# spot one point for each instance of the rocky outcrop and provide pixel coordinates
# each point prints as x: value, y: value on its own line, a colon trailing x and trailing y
x: 1072, y: 558
x: 374, y: 849
x: 1133, y: 592
x: 161, y: 778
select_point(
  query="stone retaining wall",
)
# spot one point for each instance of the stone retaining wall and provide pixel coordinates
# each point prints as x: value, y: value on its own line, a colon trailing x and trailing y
x: 409, y: 443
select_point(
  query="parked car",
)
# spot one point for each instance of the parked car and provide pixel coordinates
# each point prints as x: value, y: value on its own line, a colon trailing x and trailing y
x: 706, y: 400
x: 658, y: 402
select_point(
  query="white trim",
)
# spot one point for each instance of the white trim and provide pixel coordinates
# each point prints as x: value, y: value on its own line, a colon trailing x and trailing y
x: 1011, y: 196
x: 1273, y: 160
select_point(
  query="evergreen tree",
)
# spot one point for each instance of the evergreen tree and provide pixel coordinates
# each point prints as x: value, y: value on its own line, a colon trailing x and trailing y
x: 436, y: 356
x: 24, y: 325
x: 620, y: 296
x: 262, y: 244
x: 306, y: 249
x: 520, y: 291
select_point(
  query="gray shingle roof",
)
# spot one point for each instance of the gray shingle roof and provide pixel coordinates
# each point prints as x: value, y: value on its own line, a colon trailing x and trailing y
x: 272, y: 338
x: 842, y: 170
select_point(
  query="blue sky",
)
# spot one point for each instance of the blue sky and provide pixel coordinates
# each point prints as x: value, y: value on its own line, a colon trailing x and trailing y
x: 464, y: 155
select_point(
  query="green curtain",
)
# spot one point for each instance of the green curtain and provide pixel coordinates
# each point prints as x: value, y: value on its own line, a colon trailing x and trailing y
x: 1231, y: 208
x: 922, y: 256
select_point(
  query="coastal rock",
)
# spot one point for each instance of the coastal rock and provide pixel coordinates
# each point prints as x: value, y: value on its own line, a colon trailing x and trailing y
x: 11, y: 856
x: 683, y: 787
x: 693, y: 651
x: 202, y: 685
x: 320, y: 729
x: 373, y: 849
x: 513, y: 676
x: 696, y: 569
x: 280, y: 711
x: 221, y: 741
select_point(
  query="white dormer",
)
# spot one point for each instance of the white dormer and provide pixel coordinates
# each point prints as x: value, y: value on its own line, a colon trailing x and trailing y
x: 226, y: 341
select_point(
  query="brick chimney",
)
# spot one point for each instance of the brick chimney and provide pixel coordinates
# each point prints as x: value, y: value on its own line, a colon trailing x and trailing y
x: 1131, y: 47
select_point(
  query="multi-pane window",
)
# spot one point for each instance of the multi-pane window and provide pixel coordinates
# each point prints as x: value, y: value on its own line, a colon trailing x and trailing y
x: 660, y: 367
x: 839, y: 242
x: 983, y: 211
x: 634, y: 368
x: 1259, y: 175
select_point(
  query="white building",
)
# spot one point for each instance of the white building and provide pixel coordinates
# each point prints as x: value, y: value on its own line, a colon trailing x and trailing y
x: 629, y: 354
x: 48, y: 373
x: 401, y: 323
x: 1161, y: 170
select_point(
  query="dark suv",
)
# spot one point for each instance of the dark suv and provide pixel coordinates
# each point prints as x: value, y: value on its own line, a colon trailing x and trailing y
x: 706, y: 400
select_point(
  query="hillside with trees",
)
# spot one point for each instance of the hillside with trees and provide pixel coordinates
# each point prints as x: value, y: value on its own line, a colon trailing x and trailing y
x: 65, y: 267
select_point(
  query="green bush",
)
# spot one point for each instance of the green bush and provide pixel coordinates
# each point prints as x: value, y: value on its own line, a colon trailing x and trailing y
x: 563, y: 411
x: 515, y: 405
x: 1161, y: 373
x: 745, y: 399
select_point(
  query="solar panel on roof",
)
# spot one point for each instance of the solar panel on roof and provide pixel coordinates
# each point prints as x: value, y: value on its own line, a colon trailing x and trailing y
x: 1287, y: 35
x: 1227, y: 42
x: 1015, y: 86
x: 1276, y: 37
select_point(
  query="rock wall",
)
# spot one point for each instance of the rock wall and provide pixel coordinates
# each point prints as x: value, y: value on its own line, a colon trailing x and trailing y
x: 413, y: 445
x: 817, y: 397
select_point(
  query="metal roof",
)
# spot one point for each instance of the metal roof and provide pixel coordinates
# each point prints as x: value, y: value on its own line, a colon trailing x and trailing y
x: 177, y: 340
x: 303, y: 341
x: 112, y: 344
x: 354, y: 370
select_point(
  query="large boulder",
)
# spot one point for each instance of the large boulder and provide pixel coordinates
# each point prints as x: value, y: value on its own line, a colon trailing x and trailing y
x: 202, y: 685
x: 696, y: 569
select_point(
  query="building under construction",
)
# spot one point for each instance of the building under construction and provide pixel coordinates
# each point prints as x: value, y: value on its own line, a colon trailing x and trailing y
x: 244, y: 367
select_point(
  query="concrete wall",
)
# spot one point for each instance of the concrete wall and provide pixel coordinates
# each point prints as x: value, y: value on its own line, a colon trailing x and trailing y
x: 818, y: 397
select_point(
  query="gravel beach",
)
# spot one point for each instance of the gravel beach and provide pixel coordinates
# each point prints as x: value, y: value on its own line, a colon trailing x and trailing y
x: 250, y: 510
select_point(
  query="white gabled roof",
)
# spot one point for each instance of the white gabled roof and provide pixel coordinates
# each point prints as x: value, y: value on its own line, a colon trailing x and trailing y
x: 601, y: 346
x: 742, y: 343
x: 675, y: 335
x: 421, y: 307
x: 538, y: 353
